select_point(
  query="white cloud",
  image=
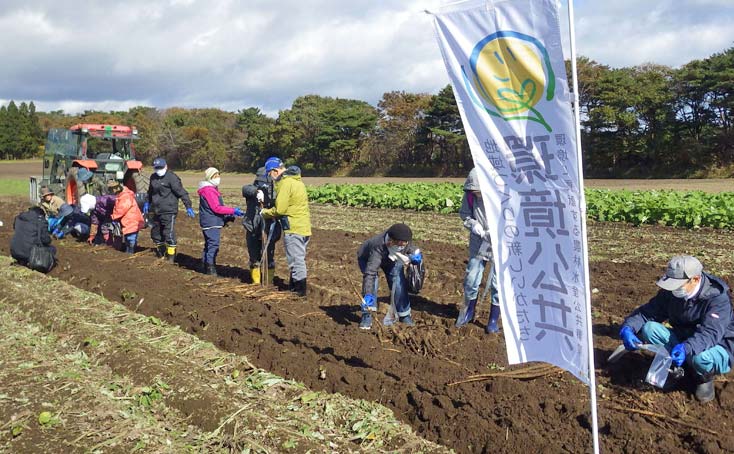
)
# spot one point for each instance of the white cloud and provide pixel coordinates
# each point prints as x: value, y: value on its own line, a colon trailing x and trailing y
x: 233, y: 54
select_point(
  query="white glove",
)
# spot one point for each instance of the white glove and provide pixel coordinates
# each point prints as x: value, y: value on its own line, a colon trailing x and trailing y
x: 260, y: 196
x: 477, y: 229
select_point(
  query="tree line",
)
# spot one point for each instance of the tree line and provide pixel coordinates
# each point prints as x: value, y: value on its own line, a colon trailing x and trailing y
x: 647, y: 120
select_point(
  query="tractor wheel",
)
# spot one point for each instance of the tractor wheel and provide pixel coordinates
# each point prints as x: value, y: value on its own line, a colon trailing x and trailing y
x: 74, y: 189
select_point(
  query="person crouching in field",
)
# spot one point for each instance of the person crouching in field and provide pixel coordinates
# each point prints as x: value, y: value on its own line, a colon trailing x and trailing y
x: 480, y: 253
x: 100, y: 231
x: 213, y: 214
x: 697, y: 307
x: 291, y: 209
x: 30, y: 230
x: 127, y: 213
x: 260, y: 195
x: 390, y: 251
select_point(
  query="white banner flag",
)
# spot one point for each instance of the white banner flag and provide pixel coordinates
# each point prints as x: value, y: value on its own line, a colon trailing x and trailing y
x: 505, y: 62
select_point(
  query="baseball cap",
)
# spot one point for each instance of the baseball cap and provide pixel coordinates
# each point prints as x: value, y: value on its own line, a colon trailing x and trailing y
x: 273, y: 162
x: 83, y: 175
x: 159, y: 163
x: 680, y: 269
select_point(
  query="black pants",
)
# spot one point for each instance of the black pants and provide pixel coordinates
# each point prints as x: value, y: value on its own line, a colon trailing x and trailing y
x: 163, y: 230
x: 255, y: 243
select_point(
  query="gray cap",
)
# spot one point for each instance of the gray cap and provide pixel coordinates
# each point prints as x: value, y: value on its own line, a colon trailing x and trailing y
x: 680, y: 269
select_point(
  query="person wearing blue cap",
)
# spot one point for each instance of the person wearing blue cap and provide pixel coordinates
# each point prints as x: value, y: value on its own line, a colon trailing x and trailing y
x: 258, y: 196
x: 291, y: 210
x: 697, y: 307
x: 164, y: 192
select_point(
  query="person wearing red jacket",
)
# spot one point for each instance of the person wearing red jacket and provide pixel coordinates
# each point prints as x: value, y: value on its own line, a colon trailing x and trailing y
x: 127, y: 213
x: 213, y: 214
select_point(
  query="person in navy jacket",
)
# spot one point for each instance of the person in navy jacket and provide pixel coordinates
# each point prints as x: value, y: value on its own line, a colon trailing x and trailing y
x: 213, y: 214
x: 697, y: 306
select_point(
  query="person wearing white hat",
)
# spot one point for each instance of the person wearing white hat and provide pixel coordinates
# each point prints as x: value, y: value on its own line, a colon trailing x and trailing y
x: 698, y: 309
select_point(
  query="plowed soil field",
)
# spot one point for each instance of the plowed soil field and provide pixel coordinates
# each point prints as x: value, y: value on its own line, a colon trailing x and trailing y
x: 417, y: 372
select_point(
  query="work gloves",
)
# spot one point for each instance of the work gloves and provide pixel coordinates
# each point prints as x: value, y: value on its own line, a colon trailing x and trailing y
x: 146, y: 207
x: 477, y: 229
x: 416, y: 258
x: 678, y: 354
x: 58, y: 234
x: 238, y: 212
x: 190, y: 212
x: 260, y: 196
x: 629, y: 339
x: 369, y: 303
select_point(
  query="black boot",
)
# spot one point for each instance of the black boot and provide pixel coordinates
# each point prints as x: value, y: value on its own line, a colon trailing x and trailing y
x: 211, y: 269
x: 299, y: 287
x: 160, y: 251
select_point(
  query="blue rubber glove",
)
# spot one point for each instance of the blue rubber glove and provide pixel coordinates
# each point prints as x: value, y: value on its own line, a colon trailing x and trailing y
x: 416, y: 258
x: 52, y: 223
x: 58, y: 233
x: 678, y: 354
x: 146, y: 207
x: 190, y: 212
x: 369, y: 303
x: 238, y: 212
x: 629, y: 339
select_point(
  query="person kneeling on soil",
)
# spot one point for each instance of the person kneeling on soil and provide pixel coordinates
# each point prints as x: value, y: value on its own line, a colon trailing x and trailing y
x: 50, y: 202
x: 70, y: 221
x: 480, y: 253
x: 30, y: 229
x: 390, y: 251
x: 260, y: 195
x: 127, y: 213
x: 213, y: 215
x: 291, y: 210
x: 698, y: 308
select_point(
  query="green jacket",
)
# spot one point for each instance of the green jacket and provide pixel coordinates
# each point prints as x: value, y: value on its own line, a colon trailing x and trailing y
x: 291, y: 200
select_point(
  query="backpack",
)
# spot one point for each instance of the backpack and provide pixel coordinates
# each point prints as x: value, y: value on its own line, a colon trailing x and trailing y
x: 414, y: 276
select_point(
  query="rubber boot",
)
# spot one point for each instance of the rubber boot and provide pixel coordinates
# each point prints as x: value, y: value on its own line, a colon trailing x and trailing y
x: 270, y: 276
x: 466, y: 314
x: 255, y: 275
x: 171, y: 254
x: 366, y: 322
x: 494, y: 316
x: 160, y: 251
x: 130, y: 248
x: 211, y: 269
x: 705, y: 391
x: 299, y: 287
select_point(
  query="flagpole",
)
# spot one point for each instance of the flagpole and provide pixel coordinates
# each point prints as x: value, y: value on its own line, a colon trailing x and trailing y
x: 585, y: 244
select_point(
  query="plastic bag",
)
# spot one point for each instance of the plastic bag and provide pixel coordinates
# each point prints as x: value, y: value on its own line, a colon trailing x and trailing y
x: 660, y: 367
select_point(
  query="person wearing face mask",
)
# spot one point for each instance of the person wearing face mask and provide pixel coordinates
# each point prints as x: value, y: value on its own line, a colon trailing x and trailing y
x: 480, y: 253
x: 164, y: 192
x: 291, y: 210
x: 387, y: 251
x: 697, y: 307
x: 213, y: 214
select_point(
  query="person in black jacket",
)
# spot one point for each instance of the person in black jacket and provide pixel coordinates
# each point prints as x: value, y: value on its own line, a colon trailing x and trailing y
x: 390, y: 251
x: 697, y: 307
x: 258, y: 195
x: 31, y: 230
x: 164, y: 192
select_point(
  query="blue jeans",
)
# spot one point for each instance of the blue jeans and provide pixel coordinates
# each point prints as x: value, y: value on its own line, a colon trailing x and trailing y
x: 395, y: 275
x: 473, y: 279
x: 131, y: 239
x: 211, y: 245
x: 714, y: 359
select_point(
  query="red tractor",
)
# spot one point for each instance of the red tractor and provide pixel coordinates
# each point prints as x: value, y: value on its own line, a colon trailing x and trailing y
x: 105, y: 150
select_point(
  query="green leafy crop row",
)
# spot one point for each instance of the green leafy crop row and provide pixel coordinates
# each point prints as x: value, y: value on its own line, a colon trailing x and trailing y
x: 672, y: 208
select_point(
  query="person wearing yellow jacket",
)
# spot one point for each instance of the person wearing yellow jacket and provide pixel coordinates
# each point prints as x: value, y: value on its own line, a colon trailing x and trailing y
x: 291, y: 209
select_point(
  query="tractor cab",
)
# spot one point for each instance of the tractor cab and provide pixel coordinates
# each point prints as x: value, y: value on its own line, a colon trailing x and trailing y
x: 106, y: 150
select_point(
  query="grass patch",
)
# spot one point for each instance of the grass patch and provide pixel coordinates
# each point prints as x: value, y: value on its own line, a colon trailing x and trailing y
x: 14, y: 186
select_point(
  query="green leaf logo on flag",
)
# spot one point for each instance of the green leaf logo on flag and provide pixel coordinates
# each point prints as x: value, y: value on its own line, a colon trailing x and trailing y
x: 510, y: 74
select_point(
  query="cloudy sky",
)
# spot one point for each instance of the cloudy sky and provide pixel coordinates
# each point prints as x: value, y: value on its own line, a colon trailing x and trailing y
x: 76, y: 55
